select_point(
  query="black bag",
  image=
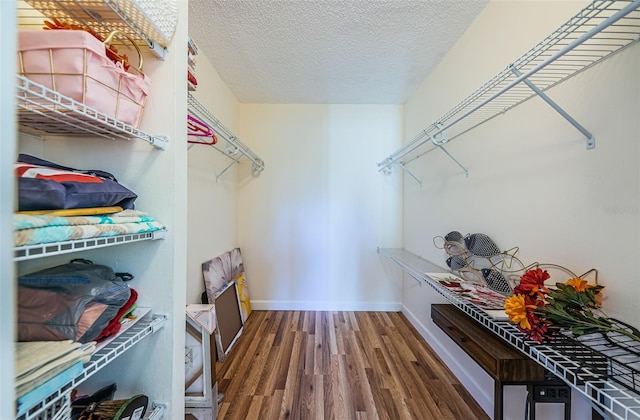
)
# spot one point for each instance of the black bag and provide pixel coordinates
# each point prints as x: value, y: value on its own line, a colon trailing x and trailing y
x: 73, y: 301
x: 44, y: 185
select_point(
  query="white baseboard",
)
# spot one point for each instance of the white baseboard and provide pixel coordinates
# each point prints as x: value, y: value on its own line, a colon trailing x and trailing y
x: 466, y: 378
x: 282, y: 305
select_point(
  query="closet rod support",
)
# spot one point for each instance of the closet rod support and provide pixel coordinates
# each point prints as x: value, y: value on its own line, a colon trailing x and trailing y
x: 257, y: 166
x: 443, y: 135
x: 228, y: 166
x: 409, y: 172
x: 591, y: 141
x: 466, y: 171
x: 158, y: 322
x: 159, y: 142
x: 407, y: 148
x: 386, y: 167
x: 158, y: 410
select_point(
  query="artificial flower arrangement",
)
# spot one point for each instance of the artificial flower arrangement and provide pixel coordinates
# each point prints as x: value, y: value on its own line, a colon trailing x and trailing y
x: 539, y: 311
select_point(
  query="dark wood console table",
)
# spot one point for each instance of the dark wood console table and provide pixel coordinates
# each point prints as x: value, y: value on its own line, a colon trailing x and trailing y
x: 606, y: 376
x: 504, y: 363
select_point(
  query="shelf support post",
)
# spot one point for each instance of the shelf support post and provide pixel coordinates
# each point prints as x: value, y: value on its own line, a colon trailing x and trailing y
x: 409, y: 172
x: 591, y: 141
x: 236, y: 160
x: 440, y: 144
x: 466, y: 171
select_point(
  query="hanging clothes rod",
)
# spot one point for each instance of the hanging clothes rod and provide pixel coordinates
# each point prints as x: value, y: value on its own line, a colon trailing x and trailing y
x: 235, y: 149
x: 563, y: 54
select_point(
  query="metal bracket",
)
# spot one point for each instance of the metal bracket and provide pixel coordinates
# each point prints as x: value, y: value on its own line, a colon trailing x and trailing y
x: 231, y: 147
x: 158, y: 410
x: 466, y: 171
x: 159, y: 142
x: 236, y: 160
x: 387, y: 165
x: 439, y: 143
x: 257, y: 166
x: 409, y: 172
x: 443, y: 135
x: 591, y: 141
x: 158, y: 322
x: 386, y: 169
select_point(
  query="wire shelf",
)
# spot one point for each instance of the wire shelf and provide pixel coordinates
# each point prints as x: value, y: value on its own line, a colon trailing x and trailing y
x: 598, y: 31
x: 29, y: 252
x: 103, y: 17
x: 606, y: 370
x: 57, y: 405
x: 42, y: 111
x: 235, y: 149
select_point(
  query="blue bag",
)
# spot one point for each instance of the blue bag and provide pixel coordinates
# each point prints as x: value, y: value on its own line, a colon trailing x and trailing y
x: 44, y: 185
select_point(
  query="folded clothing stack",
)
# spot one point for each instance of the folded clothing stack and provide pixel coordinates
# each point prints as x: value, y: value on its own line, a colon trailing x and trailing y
x: 30, y: 229
x: 39, y: 361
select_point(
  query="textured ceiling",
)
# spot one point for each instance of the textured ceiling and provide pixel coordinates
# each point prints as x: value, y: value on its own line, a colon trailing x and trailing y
x: 327, y: 51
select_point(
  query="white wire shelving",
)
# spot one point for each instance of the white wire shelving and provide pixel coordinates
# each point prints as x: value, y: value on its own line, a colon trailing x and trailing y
x: 57, y: 405
x: 103, y: 17
x: 29, y: 252
x: 42, y: 111
x: 606, y: 375
x: 235, y: 149
x: 598, y: 31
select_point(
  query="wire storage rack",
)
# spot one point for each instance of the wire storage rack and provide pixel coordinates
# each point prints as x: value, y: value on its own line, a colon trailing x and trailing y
x: 47, y: 113
x: 149, y: 23
x: 598, y: 31
x: 235, y: 149
x: 42, y: 111
x: 606, y: 370
x: 28, y: 252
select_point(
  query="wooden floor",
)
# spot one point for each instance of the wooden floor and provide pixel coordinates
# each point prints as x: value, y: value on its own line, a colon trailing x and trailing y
x: 338, y: 365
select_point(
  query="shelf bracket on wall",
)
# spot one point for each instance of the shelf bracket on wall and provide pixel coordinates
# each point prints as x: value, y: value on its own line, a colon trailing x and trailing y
x: 591, y: 141
x: 466, y: 171
x: 158, y: 410
x: 235, y: 160
x: 409, y: 172
x: 439, y: 143
x: 386, y: 166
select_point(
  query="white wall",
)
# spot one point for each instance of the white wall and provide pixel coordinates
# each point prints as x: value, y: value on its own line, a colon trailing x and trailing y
x: 7, y: 153
x: 311, y: 222
x: 212, y: 204
x: 532, y: 183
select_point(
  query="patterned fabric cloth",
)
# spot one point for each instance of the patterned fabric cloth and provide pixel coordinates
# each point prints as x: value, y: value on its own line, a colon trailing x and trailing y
x: 36, y: 229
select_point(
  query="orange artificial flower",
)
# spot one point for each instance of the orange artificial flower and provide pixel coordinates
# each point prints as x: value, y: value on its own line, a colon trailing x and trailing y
x: 577, y: 283
x: 598, y: 298
x: 516, y: 308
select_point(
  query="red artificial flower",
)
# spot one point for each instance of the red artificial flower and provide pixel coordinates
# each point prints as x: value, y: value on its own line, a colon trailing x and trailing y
x: 539, y: 330
x: 532, y: 283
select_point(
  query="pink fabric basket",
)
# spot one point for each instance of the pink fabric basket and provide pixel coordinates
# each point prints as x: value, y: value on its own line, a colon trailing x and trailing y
x: 74, y: 63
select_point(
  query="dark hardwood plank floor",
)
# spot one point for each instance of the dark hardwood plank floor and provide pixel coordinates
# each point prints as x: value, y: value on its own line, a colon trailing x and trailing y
x: 338, y: 365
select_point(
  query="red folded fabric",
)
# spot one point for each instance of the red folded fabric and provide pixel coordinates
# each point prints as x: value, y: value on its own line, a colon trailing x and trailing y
x: 114, y: 326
